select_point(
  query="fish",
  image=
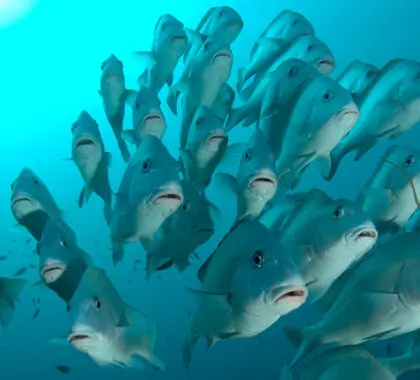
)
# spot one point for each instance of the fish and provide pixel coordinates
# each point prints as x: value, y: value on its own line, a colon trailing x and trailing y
x: 320, y: 114
x: 20, y: 271
x: 223, y: 23
x: 182, y: 233
x: 36, y: 313
x: 29, y: 195
x: 388, y: 195
x: 247, y: 284
x: 222, y: 105
x: 273, y: 42
x: 206, y: 146
x: 269, y: 98
x: 206, y: 75
x: 150, y: 191
x: 10, y: 289
x: 170, y: 43
x: 328, y: 235
x: 92, y: 161
x: 309, y: 49
x: 256, y: 182
x: 148, y: 118
x: 61, y: 261
x: 376, y: 299
x: 4, y: 257
x: 106, y: 328
x: 113, y: 94
x: 357, y: 77
x: 63, y: 369
x: 389, y: 108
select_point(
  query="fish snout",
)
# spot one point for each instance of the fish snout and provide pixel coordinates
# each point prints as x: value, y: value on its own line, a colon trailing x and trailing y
x: 265, y: 182
x: 223, y: 56
x: 349, y: 114
x: 170, y: 197
x: 79, y: 339
x: 217, y: 139
x: 365, y: 233
x: 153, y: 124
x: 293, y: 296
x: 51, y: 272
x: 23, y: 204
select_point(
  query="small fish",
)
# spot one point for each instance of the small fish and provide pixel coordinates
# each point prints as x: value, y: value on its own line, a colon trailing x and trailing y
x: 5, y: 257
x: 36, y: 313
x: 10, y: 289
x: 113, y: 93
x: 27, y: 241
x: 88, y: 153
x: 20, y: 271
x: 32, y: 266
x: 63, y: 369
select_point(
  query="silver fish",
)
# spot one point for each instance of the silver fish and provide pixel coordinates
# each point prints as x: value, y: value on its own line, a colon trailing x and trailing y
x: 389, y: 108
x: 88, y: 153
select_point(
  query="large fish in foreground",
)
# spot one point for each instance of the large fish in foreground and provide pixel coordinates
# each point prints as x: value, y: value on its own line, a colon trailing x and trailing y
x: 376, y: 299
x: 88, y: 153
x: 328, y: 235
x: 170, y: 42
x: 148, y: 118
x: 319, y: 114
x: 273, y: 42
x: 309, y: 49
x: 150, y: 191
x: 113, y: 93
x: 201, y: 85
x: 388, y: 196
x: 31, y: 198
x: 206, y: 146
x: 357, y: 77
x: 10, y: 289
x: 107, y: 329
x: 389, y: 107
x: 222, y: 105
x: 61, y: 262
x: 247, y: 284
x: 255, y: 183
x: 182, y: 233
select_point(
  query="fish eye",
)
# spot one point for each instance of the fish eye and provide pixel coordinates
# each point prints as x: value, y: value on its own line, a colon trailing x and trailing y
x: 338, y: 212
x: 198, y: 121
x: 98, y: 305
x: 36, y: 181
x: 206, y: 45
x: 68, y: 307
x: 103, y: 67
x: 295, y: 22
x: 186, y: 206
x: 147, y: 165
x: 327, y: 96
x: 221, y: 12
x: 310, y: 47
x: 409, y: 161
x: 248, y: 155
x: 63, y: 242
x: 417, y: 77
x: 293, y: 71
x: 258, y: 259
x: 370, y: 74
x: 137, y: 105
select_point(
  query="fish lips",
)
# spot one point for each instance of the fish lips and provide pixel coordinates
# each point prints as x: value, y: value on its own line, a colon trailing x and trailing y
x: 291, y: 294
x: 222, y: 54
x: 168, y: 197
x: 326, y: 65
x: 79, y: 340
x: 83, y: 141
x: 51, y: 272
x: 367, y: 232
x: 217, y: 139
x: 349, y: 113
x: 264, y: 182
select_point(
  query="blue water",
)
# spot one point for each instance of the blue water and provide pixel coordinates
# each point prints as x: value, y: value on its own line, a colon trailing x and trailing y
x: 49, y: 65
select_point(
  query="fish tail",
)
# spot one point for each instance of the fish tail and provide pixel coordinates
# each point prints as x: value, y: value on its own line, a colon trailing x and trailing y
x: 122, y: 145
x: 247, y: 92
x: 156, y: 362
x: 336, y: 156
x: 10, y: 288
x: 107, y: 213
x: 286, y: 374
x: 241, y: 79
x: 303, y: 339
x: 187, y: 348
x: 117, y: 252
x: 235, y: 116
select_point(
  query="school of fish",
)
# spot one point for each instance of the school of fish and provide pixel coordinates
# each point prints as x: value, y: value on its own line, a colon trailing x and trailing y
x: 286, y: 248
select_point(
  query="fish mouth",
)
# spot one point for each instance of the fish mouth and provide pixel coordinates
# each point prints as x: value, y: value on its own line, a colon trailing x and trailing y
x: 20, y: 198
x: 218, y: 137
x: 77, y: 337
x: 51, y: 272
x: 222, y: 53
x: 352, y: 112
x: 325, y: 65
x: 170, y: 196
x: 153, y: 116
x: 294, y: 294
x: 365, y: 233
x: 263, y: 180
x: 84, y: 141
x: 179, y: 38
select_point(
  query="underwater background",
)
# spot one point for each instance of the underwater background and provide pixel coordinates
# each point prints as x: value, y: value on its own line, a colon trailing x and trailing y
x: 51, y: 51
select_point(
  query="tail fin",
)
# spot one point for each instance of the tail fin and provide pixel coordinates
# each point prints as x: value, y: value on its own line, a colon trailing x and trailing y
x: 10, y: 288
x: 303, y: 339
x: 247, y: 92
x: 124, y: 149
x: 236, y: 115
x: 117, y: 252
x: 187, y: 348
x: 107, y: 213
x: 337, y: 155
x: 285, y: 372
x: 241, y: 79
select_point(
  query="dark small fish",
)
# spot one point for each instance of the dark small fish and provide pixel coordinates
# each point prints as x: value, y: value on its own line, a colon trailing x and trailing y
x: 32, y: 266
x: 20, y: 271
x: 13, y: 241
x: 2, y: 258
x: 36, y: 313
x: 138, y: 261
x: 38, y: 301
x: 27, y: 241
x: 389, y: 349
x: 63, y: 369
